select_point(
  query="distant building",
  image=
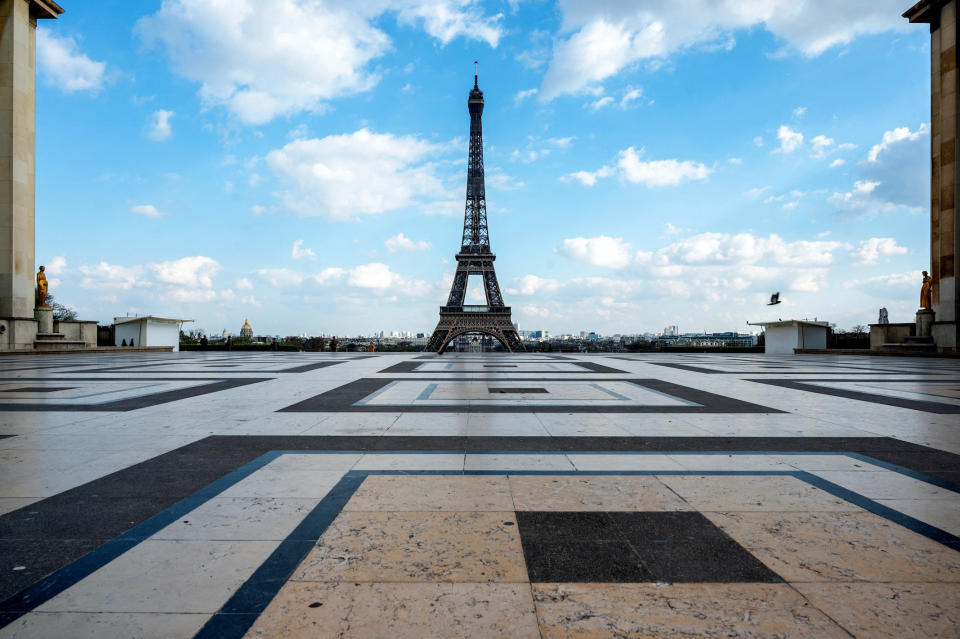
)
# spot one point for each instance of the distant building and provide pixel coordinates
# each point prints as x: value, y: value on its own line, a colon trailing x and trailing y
x: 246, y: 332
x: 671, y: 331
x: 147, y: 331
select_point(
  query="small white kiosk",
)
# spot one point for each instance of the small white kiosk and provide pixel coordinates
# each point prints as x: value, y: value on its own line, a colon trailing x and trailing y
x: 147, y: 330
x: 783, y: 336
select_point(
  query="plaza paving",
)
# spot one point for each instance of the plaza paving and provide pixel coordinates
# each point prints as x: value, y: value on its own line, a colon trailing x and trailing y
x: 362, y: 495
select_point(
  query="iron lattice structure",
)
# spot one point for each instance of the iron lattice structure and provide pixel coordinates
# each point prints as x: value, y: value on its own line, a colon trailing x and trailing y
x: 475, y: 258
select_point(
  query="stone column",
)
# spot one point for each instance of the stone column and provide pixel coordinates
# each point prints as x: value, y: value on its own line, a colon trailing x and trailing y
x: 18, y: 69
x: 941, y: 15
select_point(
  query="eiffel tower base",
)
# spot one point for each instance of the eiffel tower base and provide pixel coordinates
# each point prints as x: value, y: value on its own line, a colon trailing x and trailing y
x: 497, y: 325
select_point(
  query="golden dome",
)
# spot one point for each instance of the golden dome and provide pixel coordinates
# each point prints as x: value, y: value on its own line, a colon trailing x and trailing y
x: 246, y: 323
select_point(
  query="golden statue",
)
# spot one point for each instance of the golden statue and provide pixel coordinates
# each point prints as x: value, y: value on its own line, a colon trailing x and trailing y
x: 924, y: 291
x: 42, y: 289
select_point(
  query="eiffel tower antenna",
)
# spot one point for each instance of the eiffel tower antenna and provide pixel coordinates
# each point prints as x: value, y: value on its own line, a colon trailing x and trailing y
x: 475, y: 257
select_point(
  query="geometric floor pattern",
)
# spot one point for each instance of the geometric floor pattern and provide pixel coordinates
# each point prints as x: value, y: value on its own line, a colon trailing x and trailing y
x: 287, y: 495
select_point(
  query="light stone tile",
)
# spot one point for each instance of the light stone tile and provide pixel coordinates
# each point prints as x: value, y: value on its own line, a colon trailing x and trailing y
x: 417, y: 547
x: 285, y: 484
x: 519, y: 461
x: 941, y: 513
x: 411, y: 461
x: 166, y: 576
x: 678, y: 610
x: 240, y: 518
x: 890, y: 611
x: 826, y: 462
x: 97, y: 625
x: 314, y: 461
x: 839, y: 546
x: 624, y: 461
x: 432, y: 493
x: 729, y: 461
x: 753, y: 493
x: 886, y: 484
x: 404, y: 610
x: 593, y: 493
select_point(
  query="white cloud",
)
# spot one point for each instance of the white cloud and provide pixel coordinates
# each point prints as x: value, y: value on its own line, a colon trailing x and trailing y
x: 837, y: 162
x: 160, y: 128
x: 190, y: 272
x: 56, y: 265
x: 533, y: 285
x: 799, y: 112
x: 735, y: 161
x: 900, y: 167
x: 907, y: 280
x: 244, y: 284
x: 871, y: 250
x: 378, y: 277
x: 147, y: 210
x: 745, y: 248
x: 659, y: 172
x: 361, y: 173
x: 62, y: 65
x: 808, y: 281
x: 589, y: 178
x: 604, y: 251
x: 520, y: 96
x: 757, y: 191
x: 188, y: 279
x: 260, y: 60
x: 109, y: 276
x: 891, y: 138
x: 532, y: 310
x: 650, y: 173
x: 632, y: 95
x: 821, y: 145
x: 399, y: 242
x: 299, y: 253
x: 596, y: 105
x: 449, y: 19
x: 281, y: 277
x: 607, y: 37
x: 790, y: 140
x: 758, y: 141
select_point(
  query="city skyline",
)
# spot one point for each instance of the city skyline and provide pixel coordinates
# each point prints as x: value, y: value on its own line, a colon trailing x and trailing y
x: 642, y: 165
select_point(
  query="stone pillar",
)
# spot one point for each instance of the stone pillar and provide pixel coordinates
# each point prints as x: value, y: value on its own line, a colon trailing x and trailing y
x: 18, y: 69
x: 925, y: 322
x: 44, y: 317
x: 941, y: 15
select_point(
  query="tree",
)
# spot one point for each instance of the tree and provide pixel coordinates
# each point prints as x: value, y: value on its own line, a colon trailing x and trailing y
x: 61, y: 313
x: 859, y: 329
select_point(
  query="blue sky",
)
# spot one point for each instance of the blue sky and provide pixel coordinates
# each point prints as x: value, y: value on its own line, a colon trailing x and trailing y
x: 302, y: 163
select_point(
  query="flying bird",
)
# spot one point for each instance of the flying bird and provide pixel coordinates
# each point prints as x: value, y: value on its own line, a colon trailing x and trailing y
x: 774, y: 299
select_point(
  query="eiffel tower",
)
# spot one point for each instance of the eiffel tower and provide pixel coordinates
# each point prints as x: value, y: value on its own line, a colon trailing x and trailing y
x: 475, y: 257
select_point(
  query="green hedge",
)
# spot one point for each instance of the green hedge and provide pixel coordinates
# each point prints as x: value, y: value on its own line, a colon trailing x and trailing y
x: 240, y: 347
x: 712, y: 349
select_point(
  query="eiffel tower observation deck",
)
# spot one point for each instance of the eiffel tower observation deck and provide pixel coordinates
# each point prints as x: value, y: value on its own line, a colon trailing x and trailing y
x: 475, y: 257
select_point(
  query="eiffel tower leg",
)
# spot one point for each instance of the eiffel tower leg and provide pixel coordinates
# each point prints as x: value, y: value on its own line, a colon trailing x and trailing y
x: 453, y: 325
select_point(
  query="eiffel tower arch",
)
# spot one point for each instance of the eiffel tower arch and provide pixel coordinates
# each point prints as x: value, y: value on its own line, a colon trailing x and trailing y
x: 475, y: 258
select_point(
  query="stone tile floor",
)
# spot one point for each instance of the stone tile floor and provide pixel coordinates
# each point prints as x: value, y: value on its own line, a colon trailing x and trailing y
x: 357, y: 495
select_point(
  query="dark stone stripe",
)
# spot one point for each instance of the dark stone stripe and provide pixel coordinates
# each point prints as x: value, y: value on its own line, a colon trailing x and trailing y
x: 411, y: 366
x: 343, y: 398
x: 145, y: 401
x: 913, y: 404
